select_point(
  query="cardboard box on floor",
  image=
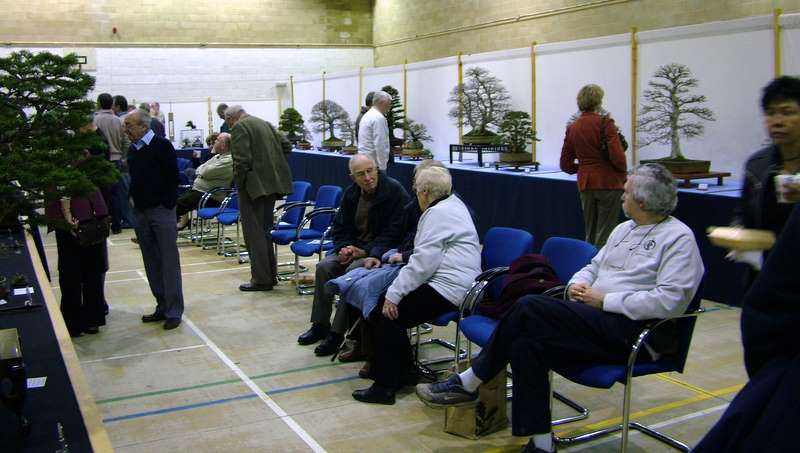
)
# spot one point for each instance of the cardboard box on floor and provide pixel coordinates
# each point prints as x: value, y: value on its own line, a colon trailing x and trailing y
x: 485, y: 417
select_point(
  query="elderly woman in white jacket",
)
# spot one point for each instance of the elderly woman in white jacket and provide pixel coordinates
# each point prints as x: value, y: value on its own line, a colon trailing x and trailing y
x: 444, y: 264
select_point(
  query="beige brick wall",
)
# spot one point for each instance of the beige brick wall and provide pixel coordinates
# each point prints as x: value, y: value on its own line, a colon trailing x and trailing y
x: 401, y: 20
x: 302, y: 22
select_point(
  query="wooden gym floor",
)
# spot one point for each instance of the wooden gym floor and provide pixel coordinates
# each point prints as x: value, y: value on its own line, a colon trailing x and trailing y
x: 233, y: 378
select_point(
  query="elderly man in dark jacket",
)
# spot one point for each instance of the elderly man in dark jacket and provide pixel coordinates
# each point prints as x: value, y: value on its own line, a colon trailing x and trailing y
x: 366, y: 225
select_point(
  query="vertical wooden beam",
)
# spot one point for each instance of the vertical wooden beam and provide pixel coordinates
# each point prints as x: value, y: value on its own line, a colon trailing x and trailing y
x: 324, y: 105
x: 291, y: 88
x: 533, y: 101
x: 405, y: 97
x: 360, y: 89
x: 210, y: 118
x: 776, y: 32
x: 634, y: 92
x: 460, y: 100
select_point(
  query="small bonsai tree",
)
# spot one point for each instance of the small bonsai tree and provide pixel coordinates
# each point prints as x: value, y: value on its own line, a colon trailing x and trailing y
x: 394, y: 117
x: 482, y: 103
x: 43, y: 135
x: 416, y: 134
x: 348, y: 130
x: 670, y: 107
x: 291, y: 123
x: 516, y: 131
x: 325, y: 116
x: 191, y: 125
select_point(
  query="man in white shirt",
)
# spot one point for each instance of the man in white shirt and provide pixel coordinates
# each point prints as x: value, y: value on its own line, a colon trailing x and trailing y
x: 650, y: 268
x: 373, y: 132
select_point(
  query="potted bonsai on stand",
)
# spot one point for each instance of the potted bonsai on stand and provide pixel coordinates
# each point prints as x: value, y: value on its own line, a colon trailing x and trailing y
x: 516, y: 131
x: 416, y: 135
x: 481, y: 105
x: 668, y: 113
x: 291, y: 124
x: 326, y: 115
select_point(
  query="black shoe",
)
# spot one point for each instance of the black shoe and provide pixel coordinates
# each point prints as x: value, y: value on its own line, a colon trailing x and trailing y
x: 314, y: 334
x: 374, y: 394
x: 254, y: 287
x: 172, y: 323
x: 154, y: 317
x: 92, y: 330
x: 329, y: 345
x: 532, y: 448
x: 116, y: 230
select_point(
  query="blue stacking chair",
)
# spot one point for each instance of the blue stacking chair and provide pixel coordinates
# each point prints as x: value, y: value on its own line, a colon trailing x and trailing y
x: 313, y: 240
x: 567, y: 257
x: 293, y: 209
x: 604, y: 376
x: 229, y: 215
x: 206, y: 214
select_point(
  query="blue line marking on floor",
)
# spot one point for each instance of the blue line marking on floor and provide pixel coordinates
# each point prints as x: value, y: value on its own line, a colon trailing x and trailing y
x: 186, y: 407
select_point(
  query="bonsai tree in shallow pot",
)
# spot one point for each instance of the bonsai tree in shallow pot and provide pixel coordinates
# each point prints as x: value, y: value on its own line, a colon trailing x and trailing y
x: 479, y: 103
x: 416, y: 137
x: 326, y: 115
x: 348, y: 130
x: 516, y: 131
x: 291, y: 124
x: 394, y: 117
x: 43, y: 135
x: 671, y: 111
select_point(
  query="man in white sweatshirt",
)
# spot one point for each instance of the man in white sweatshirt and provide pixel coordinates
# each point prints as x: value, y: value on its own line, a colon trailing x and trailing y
x: 373, y: 131
x: 650, y: 268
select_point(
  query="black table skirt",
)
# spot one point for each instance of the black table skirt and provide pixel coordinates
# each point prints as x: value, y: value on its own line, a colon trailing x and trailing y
x: 546, y: 204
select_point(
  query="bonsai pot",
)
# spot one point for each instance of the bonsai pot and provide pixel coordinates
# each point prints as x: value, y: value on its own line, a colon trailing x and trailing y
x: 474, y: 137
x: 349, y: 149
x: 333, y: 144
x: 681, y: 166
x: 516, y: 156
x: 413, y: 151
x: 302, y: 145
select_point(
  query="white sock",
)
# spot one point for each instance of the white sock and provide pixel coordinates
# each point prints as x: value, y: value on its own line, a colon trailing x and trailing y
x: 469, y: 380
x: 543, y: 441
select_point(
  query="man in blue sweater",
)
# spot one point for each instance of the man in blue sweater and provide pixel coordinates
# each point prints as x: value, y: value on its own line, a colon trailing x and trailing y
x: 154, y: 189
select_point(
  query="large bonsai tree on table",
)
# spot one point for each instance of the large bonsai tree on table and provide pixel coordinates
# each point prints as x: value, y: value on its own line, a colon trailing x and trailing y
x: 395, y: 116
x: 670, y: 110
x: 327, y: 116
x: 44, y: 115
x: 479, y: 103
x: 291, y: 124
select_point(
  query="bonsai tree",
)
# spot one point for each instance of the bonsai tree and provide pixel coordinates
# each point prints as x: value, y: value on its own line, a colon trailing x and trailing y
x: 348, y: 130
x: 191, y: 125
x: 482, y: 103
x: 326, y: 115
x: 516, y: 131
x: 291, y: 124
x: 670, y: 110
x: 394, y: 117
x: 416, y: 134
x: 43, y: 135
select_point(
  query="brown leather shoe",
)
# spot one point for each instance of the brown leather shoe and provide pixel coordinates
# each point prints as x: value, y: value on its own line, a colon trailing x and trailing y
x: 352, y: 353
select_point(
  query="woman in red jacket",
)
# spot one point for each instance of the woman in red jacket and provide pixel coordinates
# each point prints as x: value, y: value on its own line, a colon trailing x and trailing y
x: 601, y: 169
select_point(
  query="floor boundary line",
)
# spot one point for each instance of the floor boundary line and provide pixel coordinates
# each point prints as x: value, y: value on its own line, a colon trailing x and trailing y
x: 142, y: 354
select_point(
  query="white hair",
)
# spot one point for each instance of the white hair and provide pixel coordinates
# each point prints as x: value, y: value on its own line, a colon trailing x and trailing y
x: 359, y: 156
x: 381, y: 96
x: 234, y: 111
x: 654, y: 187
x: 434, y: 180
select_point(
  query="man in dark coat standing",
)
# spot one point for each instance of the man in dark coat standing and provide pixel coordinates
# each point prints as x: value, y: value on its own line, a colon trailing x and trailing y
x: 154, y: 189
x: 261, y: 173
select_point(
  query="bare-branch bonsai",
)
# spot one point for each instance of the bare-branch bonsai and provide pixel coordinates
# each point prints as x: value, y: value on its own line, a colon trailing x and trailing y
x: 416, y: 134
x: 670, y: 110
x: 482, y: 102
x: 326, y: 116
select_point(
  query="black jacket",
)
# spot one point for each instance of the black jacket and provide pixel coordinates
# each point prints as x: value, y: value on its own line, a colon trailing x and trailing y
x: 154, y: 174
x: 757, y: 208
x: 385, y: 217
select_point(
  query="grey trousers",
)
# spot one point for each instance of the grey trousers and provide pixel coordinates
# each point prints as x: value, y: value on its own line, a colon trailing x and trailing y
x: 601, y: 210
x: 155, y: 230
x: 256, y: 216
x: 327, y: 269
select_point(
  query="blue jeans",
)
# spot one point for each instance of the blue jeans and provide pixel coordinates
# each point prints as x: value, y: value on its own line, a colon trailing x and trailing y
x: 121, y: 211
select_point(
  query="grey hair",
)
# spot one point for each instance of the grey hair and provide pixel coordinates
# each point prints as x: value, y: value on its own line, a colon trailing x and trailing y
x: 434, y: 180
x: 654, y: 187
x: 143, y: 116
x: 381, y: 96
x: 428, y: 163
x: 360, y: 156
x: 144, y: 106
x: 225, y: 139
x: 234, y: 111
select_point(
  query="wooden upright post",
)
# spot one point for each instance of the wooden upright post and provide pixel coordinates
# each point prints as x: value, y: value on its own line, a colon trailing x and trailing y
x: 776, y: 32
x: 460, y: 100
x: 634, y: 92
x: 533, y: 101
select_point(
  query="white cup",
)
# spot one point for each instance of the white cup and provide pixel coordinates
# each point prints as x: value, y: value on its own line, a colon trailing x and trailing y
x: 783, y: 183
x: 702, y: 186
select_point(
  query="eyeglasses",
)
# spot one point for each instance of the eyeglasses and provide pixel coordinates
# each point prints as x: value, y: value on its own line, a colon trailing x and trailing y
x: 360, y: 174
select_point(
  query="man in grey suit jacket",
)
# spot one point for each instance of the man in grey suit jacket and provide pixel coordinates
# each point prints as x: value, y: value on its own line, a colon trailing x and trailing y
x: 261, y: 173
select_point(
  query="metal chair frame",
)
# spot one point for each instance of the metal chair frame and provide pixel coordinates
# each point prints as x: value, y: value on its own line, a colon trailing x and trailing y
x: 304, y: 290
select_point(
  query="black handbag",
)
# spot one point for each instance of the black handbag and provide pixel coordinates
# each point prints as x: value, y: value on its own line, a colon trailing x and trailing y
x: 604, y: 143
x: 93, y: 231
